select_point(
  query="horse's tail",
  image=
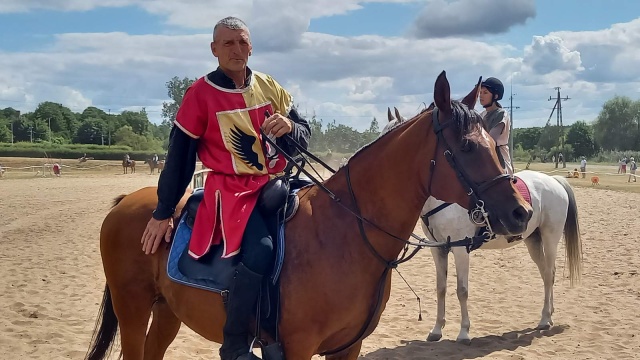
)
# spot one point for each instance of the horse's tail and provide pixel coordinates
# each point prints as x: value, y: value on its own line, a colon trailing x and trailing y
x: 104, y: 334
x: 117, y: 200
x: 573, y: 242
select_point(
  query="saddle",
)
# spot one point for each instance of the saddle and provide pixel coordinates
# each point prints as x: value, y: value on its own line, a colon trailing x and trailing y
x: 278, y: 203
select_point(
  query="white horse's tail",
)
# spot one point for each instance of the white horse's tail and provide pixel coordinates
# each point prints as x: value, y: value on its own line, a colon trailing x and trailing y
x: 573, y: 242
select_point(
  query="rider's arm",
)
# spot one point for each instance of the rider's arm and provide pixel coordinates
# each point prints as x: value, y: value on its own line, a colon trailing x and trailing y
x: 497, y: 130
x: 190, y: 124
x: 176, y: 175
x: 301, y: 133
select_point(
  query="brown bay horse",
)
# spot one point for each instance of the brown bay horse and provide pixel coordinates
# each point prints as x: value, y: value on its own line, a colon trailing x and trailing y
x: 131, y: 164
x: 334, y: 262
x: 152, y: 166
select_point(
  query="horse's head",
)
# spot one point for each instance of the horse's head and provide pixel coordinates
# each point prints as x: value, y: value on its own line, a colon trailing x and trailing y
x: 463, y: 143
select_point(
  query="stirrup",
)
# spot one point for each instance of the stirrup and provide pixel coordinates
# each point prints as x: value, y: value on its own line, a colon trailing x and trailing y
x: 248, y: 356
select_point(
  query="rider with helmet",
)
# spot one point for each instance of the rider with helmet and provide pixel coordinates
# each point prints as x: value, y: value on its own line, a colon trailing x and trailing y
x: 496, y: 119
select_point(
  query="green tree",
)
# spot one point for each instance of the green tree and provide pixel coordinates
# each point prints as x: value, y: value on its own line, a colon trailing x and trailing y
x: 580, y: 137
x: 63, y: 121
x: 176, y: 88
x: 527, y: 137
x: 91, y: 131
x: 138, y: 121
x: 317, y: 141
x: 616, y: 127
x: 9, y: 113
x: 549, y: 137
x: 372, y: 133
x: 93, y: 112
x: 5, y: 130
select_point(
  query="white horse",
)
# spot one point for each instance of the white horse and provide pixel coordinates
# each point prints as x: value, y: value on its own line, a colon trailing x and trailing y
x: 554, y: 213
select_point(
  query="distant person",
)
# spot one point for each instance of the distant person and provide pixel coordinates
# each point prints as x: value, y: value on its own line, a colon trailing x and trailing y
x: 583, y: 167
x: 632, y: 170
x: 56, y: 169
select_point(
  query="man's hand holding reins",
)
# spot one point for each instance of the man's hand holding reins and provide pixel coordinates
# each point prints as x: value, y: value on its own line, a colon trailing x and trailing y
x: 277, y: 125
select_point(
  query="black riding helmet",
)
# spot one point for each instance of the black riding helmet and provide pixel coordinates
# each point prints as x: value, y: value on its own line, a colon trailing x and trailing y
x: 495, y: 87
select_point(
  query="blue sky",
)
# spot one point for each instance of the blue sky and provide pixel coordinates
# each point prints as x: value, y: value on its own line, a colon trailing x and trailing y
x: 140, y: 45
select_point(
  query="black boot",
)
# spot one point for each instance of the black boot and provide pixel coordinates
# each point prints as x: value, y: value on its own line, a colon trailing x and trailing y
x: 243, y: 294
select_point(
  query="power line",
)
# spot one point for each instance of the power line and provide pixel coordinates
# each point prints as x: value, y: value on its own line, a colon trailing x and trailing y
x: 558, y: 106
x: 511, y: 107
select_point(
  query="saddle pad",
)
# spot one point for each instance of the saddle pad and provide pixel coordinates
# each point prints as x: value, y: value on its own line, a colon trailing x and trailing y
x: 522, y: 187
x: 211, y: 272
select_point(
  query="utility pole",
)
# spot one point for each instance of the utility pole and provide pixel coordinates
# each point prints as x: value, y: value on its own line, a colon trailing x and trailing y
x: 558, y: 105
x: 511, y: 107
x: 109, y: 126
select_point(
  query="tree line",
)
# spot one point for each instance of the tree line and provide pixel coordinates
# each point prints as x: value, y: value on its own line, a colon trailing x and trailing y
x: 53, y: 123
x: 615, y: 131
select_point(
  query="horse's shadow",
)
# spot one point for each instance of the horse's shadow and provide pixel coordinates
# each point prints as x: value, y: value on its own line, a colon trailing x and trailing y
x: 449, y: 349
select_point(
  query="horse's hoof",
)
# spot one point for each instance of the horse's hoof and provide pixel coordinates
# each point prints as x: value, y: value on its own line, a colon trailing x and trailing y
x: 464, y: 341
x: 434, y: 337
x: 543, y: 327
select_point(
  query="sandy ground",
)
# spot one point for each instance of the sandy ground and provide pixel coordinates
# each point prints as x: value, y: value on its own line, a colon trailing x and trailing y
x: 51, y: 282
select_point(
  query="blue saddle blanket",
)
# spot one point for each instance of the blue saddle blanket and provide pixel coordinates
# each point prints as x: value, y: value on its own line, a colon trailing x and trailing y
x: 212, y: 272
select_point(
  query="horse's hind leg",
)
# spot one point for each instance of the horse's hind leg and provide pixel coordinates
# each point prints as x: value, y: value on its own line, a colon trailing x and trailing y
x: 440, y: 258
x: 545, y: 258
x: 132, y: 306
x: 163, y: 330
x: 351, y: 354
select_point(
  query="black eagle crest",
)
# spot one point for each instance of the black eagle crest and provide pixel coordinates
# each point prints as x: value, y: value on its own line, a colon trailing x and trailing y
x: 243, y: 145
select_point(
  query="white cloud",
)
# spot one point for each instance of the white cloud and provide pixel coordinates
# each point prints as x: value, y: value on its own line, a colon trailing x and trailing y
x: 349, y: 79
x: 276, y: 25
x: 547, y: 54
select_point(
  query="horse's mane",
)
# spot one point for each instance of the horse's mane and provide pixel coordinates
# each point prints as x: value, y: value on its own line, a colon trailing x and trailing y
x: 466, y: 121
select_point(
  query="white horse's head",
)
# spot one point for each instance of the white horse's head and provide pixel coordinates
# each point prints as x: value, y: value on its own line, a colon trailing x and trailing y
x: 393, y: 122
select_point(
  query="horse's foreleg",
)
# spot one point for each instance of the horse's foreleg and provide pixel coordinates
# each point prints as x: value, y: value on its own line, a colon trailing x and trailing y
x: 351, y: 354
x: 163, y: 330
x: 440, y: 258
x: 462, y: 274
x: 300, y: 345
x: 547, y: 272
x: 550, y: 245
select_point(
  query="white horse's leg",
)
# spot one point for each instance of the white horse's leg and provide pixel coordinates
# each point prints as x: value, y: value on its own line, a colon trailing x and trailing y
x: 440, y: 258
x: 462, y: 273
x: 545, y: 260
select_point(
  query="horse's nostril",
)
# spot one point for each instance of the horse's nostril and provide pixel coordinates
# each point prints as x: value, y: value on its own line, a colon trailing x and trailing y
x: 521, y: 214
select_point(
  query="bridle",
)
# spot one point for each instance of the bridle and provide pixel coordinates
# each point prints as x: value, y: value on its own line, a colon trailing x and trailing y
x: 477, y: 211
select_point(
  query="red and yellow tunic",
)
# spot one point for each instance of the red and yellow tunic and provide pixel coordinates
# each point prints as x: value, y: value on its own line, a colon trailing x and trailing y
x: 227, y: 122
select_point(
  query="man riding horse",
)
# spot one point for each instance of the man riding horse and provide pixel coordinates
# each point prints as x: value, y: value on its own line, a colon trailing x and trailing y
x: 220, y: 119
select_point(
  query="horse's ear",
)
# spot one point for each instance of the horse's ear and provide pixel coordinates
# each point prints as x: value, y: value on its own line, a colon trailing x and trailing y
x: 389, y: 116
x: 398, y: 116
x: 442, y: 93
x: 472, y: 97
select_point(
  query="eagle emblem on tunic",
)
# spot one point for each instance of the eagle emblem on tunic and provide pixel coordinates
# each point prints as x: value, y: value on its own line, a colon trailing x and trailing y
x: 243, y: 146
